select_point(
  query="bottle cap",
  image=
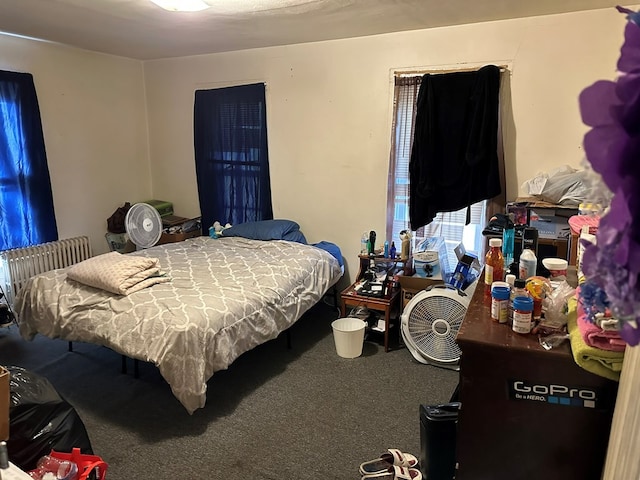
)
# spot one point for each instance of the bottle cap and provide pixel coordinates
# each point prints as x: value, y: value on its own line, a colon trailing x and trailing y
x: 499, y: 292
x: 495, y: 242
x: 520, y: 283
x: 528, y: 254
x: 523, y: 303
x: 498, y: 283
x: 510, y: 279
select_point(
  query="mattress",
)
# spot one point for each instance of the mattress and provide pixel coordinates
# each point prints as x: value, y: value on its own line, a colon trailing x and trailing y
x: 225, y: 296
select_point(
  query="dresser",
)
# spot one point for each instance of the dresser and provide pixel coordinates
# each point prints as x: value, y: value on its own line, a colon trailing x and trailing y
x: 526, y: 412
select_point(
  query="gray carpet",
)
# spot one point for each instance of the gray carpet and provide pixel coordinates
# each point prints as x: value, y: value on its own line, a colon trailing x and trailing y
x: 276, y: 413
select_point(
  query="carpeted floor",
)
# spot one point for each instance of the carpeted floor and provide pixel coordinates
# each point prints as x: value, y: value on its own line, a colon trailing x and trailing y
x: 276, y: 413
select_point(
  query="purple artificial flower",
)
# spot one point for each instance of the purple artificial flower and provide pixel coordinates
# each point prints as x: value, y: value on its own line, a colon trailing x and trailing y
x: 629, y: 60
x: 630, y: 333
x: 612, y: 147
x: 593, y: 299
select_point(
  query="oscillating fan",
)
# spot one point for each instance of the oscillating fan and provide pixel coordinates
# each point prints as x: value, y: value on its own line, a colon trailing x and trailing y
x: 143, y: 224
x: 430, y: 322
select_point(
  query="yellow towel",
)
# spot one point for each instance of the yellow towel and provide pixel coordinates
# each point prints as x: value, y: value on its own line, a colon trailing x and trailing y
x: 595, y: 360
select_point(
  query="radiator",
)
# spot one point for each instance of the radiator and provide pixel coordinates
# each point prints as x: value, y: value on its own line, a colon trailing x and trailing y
x: 20, y: 264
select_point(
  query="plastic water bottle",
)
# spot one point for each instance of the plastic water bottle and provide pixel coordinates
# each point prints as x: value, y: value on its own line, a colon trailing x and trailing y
x: 508, y: 240
x: 386, y: 249
x: 364, y: 242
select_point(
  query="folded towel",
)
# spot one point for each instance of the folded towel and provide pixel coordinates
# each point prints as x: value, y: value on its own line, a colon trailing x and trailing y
x: 595, y: 336
x: 606, y: 322
x: 118, y: 273
x: 605, y: 363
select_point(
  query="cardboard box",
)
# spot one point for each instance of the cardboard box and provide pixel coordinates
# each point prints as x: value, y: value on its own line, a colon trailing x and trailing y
x: 409, y: 286
x: 4, y: 404
x: 467, y: 270
x: 430, y: 259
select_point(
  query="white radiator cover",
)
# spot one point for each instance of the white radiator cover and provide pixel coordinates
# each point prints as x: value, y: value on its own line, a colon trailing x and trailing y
x: 19, y: 264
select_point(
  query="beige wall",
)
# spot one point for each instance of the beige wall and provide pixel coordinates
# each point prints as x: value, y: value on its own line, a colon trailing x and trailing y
x: 329, y: 116
x: 329, y: 110
x: 95, y: 130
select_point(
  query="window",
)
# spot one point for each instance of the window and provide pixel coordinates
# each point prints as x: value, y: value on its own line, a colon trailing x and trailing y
x: 449, y: 225
x: 232, y: 164
x: 26, y: 202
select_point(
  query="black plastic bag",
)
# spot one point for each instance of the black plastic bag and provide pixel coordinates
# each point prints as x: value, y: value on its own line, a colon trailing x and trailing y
x: 115, y: 223
x: 40, y: 420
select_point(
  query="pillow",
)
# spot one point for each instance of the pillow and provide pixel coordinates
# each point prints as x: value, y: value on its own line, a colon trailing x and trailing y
x: 262, y: 230
x: 296, y: 236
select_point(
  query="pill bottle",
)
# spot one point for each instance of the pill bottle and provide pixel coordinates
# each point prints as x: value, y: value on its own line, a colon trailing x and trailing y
x: 519, y: 290
x: 493, y: 265
x: 522, y: 314
x: 500, y: 303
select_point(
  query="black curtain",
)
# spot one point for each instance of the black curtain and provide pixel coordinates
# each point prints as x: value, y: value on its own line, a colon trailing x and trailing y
x: 454, y: 156
x: 232, y: 161
x: 27, y: 215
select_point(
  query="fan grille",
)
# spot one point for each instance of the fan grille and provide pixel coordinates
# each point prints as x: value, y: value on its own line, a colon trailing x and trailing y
x: 432, y: 326
x: 144, y: 225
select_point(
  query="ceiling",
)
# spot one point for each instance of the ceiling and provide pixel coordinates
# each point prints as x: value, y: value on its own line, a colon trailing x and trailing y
x: 141, y: 30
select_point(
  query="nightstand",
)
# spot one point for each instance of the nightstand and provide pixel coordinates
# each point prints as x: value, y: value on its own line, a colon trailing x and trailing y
x: 389, y: 304
x: 350, y: 299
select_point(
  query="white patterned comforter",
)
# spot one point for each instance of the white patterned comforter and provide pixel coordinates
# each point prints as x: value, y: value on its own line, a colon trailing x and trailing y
x: 225, y: 297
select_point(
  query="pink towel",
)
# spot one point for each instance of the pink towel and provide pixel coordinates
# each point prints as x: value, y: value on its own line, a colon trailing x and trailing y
x: 578, y: 221
x: 596, y: 337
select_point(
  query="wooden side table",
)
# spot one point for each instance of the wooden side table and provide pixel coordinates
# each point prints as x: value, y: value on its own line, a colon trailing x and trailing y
x: 351, y: 299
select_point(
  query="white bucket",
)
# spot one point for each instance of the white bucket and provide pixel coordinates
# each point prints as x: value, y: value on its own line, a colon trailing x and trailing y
x: 348, y: 333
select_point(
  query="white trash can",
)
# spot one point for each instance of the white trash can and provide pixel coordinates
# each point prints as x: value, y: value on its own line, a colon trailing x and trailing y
x: 348, y: 333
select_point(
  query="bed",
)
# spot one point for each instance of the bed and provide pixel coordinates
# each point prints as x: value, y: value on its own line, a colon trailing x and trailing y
x: 225, y: 296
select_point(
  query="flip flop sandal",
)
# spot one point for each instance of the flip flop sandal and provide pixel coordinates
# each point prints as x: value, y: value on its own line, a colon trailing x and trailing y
x: 396, y: 473
x: 386, y: 460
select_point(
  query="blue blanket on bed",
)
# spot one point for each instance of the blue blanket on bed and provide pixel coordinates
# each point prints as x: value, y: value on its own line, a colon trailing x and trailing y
x: 332, y: 248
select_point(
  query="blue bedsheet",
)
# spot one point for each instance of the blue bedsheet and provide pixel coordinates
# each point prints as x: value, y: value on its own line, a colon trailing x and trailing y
x: 332, y: 248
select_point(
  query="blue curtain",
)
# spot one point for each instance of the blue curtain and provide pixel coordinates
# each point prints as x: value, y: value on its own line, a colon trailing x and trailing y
x: 26, y: 201
x: 232, y: 160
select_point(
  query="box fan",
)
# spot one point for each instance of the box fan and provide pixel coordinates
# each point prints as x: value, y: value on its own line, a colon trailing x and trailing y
x: 430, y: 323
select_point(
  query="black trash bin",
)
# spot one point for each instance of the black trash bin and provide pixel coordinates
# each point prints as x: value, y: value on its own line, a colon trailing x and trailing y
x: 438, y: 425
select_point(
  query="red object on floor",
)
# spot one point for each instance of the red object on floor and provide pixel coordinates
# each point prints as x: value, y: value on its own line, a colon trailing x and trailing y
x: 86, y: 463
